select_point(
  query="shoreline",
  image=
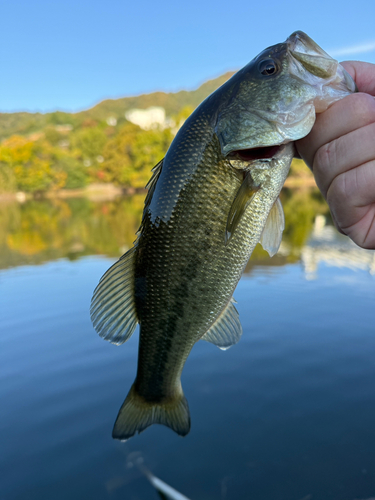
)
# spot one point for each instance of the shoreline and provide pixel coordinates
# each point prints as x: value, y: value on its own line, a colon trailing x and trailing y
x: 94, y: 192
x: 107, y: 192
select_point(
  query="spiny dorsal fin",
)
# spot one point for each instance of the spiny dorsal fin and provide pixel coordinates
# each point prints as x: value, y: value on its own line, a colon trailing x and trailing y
x: 273, y: 230
x: 150, y: 186
x: 227, y: 329
x: 240, y: 202
x: 112, y: 309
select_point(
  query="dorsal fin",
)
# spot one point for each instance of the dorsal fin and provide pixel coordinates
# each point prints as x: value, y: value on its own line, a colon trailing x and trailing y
x: 227, y: 329
x: 112, y: 309
x: 150, y: 186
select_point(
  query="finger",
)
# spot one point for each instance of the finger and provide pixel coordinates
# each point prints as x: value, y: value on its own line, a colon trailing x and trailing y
x: 343, y: 154
x: 363, y: 75
x: 351, y: 194
x: 351, y: 198
x: 363, y: 232
x: 350, y: 113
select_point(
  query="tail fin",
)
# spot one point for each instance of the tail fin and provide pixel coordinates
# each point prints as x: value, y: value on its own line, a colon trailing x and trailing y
x: 136, y: 415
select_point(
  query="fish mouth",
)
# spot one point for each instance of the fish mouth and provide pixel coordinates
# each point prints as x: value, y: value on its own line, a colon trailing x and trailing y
x: 308, y: 55
x: 266, y: 153
x: 301, y: 43
x: 311, y: 64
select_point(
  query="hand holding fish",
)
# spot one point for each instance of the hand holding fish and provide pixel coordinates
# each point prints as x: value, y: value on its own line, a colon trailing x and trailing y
x: 340, y: 150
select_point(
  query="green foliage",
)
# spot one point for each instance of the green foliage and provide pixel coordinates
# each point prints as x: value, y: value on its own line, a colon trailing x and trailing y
x: 60, y: 118
x: 183, y: 115
x: 42, y: 230
x: 62, y: 150
x: 90, y: 142
x: 34, y: 177
x: 26, y: 123
x: 37, y: 166
x: 8, y: 182
x: 300, y: 208
x: 299, y: 168
x: 76, y: 173
x: 52, y: 135
x: 130, y: 156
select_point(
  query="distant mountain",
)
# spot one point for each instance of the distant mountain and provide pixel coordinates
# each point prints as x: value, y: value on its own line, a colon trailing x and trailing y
x: 24, y: 123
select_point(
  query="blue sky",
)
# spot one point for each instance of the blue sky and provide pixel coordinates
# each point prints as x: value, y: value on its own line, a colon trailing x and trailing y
x: 70, y: 55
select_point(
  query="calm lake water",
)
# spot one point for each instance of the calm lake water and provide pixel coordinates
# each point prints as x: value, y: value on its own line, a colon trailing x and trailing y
x: 286, y: 414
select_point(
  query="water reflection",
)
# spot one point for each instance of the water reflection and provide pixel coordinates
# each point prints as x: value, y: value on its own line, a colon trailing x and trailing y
x: 287, y: 413
x: 43, y: 230
x: 39, y: 231
x: 327, y: 245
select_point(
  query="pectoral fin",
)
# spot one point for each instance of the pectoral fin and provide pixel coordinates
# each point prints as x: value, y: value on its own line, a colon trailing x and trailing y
x: 240, y: 202
x: 227, y: 329
x: 273, y: 230
x: 112, y: 309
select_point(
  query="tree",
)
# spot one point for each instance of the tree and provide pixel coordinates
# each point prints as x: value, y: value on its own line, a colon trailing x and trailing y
x: 90, y: 142
x: 130, y: 156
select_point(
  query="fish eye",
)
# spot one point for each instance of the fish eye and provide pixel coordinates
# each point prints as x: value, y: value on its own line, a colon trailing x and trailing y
x: 268, y: 67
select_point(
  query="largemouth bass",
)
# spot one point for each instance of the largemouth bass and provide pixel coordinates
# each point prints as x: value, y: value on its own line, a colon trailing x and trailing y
x: 210, y: 201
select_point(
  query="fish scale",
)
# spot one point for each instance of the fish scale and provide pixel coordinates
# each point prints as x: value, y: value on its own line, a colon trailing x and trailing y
x: 209, y: 202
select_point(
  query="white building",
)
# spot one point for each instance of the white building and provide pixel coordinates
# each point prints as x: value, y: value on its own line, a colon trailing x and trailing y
x: 327, y: 245
x: 149, y: 118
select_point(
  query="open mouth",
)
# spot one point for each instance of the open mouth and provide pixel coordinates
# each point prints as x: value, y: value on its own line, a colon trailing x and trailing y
x: 265, y: 153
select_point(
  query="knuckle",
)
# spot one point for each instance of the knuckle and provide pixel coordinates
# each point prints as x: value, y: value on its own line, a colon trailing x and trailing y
x: 363, y: 105
x: 340, y: 188
x: 325, y: 157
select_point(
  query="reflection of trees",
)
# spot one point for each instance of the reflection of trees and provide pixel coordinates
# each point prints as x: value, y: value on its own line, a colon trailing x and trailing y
x: 300, y: 208
x: 41, y: 230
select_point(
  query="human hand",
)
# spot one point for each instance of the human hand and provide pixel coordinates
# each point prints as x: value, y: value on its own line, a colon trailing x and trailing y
x: 340, y: 150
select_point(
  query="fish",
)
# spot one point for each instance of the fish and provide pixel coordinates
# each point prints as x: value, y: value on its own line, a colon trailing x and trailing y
x: 212, y: 198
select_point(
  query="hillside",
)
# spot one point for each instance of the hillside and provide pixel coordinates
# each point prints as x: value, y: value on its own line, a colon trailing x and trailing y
x: 171, y: 102
x: 24, y: 123
x: 118, y: 141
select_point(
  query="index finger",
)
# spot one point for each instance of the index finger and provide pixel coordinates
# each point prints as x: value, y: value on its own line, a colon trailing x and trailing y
x: 344, y: 116
x: 363, y: 74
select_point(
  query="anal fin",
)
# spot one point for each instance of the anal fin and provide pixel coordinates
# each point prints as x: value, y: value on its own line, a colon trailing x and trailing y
x: 227, y: 329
